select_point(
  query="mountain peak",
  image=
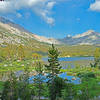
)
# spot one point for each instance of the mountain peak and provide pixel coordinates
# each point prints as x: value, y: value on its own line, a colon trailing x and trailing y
x: 89, y: 32
x: 89, y: 37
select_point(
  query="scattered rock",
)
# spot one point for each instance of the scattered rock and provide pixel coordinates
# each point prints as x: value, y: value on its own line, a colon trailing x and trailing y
x: 5, y: 65
x: 22, y: 65
x: 73, y: 78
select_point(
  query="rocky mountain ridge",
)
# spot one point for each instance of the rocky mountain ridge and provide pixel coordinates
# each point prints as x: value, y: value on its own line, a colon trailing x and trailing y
x: 13, y: 33
x: 87, y: 38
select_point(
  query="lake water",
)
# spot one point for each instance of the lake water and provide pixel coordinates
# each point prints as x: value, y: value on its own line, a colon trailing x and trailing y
x: 62, y: 75
x: 72, y: 58
x: 74, y: 61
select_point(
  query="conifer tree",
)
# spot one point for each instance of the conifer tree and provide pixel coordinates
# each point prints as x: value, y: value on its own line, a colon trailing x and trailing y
x: 24, y: 86
x: 39, y: 79
x: 53, y: 68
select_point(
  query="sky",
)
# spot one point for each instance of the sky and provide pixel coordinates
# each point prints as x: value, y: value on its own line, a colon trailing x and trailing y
x: 53, y: 18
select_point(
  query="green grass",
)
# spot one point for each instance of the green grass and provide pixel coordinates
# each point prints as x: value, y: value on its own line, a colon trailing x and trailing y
x: 78, y: 69
x: 15, y: 65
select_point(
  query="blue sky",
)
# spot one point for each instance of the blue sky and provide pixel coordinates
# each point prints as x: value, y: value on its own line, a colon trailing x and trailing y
x: 53, y: 18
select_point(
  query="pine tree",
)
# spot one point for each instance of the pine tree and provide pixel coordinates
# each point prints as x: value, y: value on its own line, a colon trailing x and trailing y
x: 53, y: 69
x: 24, y: 86
x: 39, y: 78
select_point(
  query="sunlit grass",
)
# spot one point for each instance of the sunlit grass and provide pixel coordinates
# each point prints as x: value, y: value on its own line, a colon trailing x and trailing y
x: 15, y: 65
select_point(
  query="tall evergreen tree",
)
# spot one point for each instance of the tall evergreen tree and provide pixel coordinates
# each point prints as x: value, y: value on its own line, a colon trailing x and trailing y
x: 24, y: 86
x: 39, y: 79
x: 53, y: 68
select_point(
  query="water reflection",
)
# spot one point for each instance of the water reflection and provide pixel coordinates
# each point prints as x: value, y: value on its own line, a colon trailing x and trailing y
x: 71, y: 79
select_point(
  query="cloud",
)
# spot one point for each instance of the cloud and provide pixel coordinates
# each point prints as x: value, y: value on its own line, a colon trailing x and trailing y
x: 42, y: 8
x: 95, y: 6
x: 50, y: 4
x: 18, y: 15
